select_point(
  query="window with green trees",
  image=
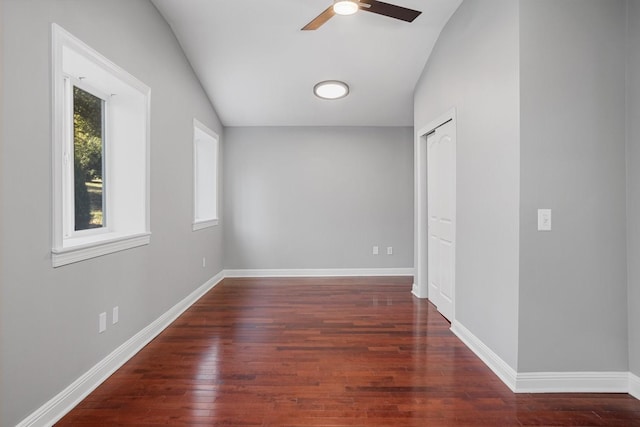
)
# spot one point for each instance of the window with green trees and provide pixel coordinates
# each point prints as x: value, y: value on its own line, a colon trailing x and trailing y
x: 100, y: 177
x: 88, y: 147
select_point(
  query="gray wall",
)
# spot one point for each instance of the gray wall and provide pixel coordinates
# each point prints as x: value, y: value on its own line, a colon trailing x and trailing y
x: 49, y: 316
x: 316, y: 197
x: 573, y: 313
x: 633, y: 178
x: 2, y: 326
x: 474, y: 67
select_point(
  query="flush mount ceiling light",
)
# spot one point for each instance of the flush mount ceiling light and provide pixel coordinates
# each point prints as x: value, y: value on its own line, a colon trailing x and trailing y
x: 331, y: 89
x: 345, y: 7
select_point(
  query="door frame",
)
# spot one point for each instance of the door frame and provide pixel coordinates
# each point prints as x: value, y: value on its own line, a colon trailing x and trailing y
x: 420, y: 241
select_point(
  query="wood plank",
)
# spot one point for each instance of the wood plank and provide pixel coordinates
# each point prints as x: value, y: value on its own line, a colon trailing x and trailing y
x: 323, y: 352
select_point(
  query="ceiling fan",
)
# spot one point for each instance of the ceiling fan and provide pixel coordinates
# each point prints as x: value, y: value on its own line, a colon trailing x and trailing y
x: 349, y: 7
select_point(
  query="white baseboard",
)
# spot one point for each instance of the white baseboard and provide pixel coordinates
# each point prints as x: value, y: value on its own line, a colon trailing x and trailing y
x: 67, y: 399
x: 320, y: 272
x: 499, y: 367
x: 415, y: 291
x: 634, y: 385
x: 572, y: 382
x: 549, y: 382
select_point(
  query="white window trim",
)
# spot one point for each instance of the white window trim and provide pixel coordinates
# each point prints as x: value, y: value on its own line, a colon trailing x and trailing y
x: 201, y: 223
x: 80, y: 246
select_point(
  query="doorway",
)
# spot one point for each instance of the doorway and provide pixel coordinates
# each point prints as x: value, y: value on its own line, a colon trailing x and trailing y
x: 435, y: 201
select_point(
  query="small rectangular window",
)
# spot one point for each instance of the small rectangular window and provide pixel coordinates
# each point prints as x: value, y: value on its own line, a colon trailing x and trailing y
x: 88, y: 165
x: 205, y: 176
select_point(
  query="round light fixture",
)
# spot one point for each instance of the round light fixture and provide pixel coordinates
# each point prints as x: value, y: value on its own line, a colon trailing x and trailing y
x: 331, y: 89
x: 345, y: 7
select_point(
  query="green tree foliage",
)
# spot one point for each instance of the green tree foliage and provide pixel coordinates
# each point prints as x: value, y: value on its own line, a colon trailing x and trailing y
x: 81, y: 195
x: 87, y: 121
x: 87, y: 160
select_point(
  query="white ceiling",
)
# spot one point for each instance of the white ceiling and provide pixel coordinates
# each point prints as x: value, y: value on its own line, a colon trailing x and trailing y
x: 259, y: 69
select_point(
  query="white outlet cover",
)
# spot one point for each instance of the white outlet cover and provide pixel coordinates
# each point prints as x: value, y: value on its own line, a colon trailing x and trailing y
x: 102, y: 320
x: 375, y: 250
x: 116, y: 315
x: 389, y: 250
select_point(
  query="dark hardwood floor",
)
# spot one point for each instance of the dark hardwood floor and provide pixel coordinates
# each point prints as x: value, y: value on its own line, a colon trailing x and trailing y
x: 323, y: 352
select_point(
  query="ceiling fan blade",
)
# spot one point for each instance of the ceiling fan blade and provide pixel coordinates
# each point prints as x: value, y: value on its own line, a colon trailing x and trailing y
x: 320, y: 19
x: 390, y: 10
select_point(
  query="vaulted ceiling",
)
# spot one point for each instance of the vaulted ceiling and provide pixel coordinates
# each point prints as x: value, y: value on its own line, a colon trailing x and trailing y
x: 258, y: 68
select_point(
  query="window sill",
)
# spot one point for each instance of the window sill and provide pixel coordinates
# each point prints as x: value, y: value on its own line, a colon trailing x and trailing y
x: 204, y: 224
x: 99, y: 245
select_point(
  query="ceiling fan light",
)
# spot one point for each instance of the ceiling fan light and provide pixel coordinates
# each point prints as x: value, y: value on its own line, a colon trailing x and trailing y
x: 331, y: 89
x: 345, y: 7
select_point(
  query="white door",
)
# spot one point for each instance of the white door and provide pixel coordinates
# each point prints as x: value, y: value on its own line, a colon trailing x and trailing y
x: 441, y: 209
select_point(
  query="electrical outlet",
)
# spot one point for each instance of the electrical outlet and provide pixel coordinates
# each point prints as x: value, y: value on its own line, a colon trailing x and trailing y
x: 375, y: 250
x: 102, y: 322
x: 204, y: 262
x: 389, y: 250
x: 116, y: 315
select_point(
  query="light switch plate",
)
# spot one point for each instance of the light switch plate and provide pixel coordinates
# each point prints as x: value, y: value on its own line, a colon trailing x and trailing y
x: 544, y: 219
